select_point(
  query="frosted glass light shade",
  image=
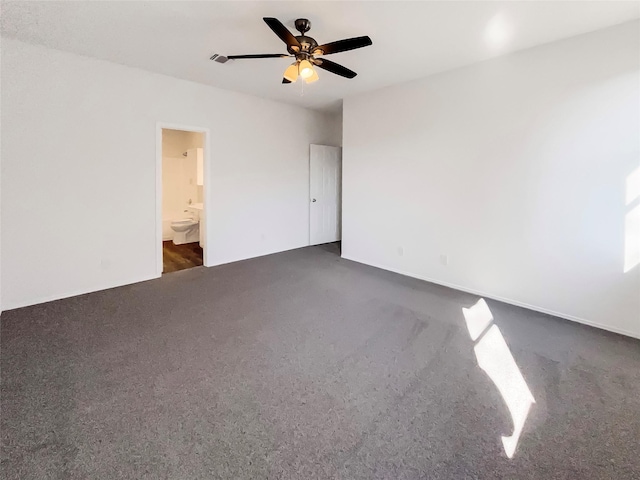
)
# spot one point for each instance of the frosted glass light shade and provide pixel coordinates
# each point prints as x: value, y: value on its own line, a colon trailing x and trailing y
x: 306, y: 70
x: 291, y: 73
x: 312, y: 78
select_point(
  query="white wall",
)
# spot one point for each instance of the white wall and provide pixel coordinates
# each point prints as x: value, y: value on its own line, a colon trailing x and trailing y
x: 1, y: 151
x: 515, y: 168
x: 335, y: 128
x: 79, y: 171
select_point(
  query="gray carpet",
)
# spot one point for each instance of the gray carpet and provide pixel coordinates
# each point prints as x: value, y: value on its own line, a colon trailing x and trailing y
x: 302, y: 365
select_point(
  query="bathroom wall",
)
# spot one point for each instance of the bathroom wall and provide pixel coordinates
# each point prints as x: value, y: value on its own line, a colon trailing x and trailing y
x: 179, y: 187
x: 176, y: 142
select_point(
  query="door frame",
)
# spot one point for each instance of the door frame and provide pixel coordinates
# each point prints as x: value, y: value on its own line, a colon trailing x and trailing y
x: 206, y: 171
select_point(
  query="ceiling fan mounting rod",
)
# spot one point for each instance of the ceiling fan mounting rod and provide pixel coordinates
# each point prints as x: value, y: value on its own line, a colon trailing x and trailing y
x: 303, y: 25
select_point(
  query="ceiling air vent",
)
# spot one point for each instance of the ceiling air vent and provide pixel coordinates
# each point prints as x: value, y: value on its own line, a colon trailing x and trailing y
x: 219, y: 58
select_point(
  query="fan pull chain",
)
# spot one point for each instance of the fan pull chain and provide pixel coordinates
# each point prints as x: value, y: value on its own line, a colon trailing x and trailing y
x: 301, y: 87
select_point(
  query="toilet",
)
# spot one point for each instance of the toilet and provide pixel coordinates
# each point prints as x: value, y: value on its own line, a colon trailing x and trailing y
x: 186, y: 230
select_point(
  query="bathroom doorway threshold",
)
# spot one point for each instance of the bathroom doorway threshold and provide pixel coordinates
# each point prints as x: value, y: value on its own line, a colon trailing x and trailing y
x: 180, y: 257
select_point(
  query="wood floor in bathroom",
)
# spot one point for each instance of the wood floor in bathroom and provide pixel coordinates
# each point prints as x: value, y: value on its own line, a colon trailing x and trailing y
x: 180, y: 257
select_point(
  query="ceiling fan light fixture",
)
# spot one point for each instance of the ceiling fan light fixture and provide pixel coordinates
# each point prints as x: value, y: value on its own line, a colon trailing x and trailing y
x: 312, y: 78
x: 304, y: 49
x: 291, y: 73
x: 306, y: 69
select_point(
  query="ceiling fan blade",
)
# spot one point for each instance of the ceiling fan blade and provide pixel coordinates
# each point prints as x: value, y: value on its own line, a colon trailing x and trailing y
x: 259, y: 55
x: 333, y: 67
x: 342, y: 45
x: 284, y: 80
x: 283, y: 32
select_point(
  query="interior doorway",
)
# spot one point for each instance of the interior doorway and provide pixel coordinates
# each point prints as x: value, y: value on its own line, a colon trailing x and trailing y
x: 182, y: 156
x: 325, y: 187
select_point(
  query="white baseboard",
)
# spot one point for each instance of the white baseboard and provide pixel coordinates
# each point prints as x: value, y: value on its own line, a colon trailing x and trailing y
x: 75, y: 293
x: 227, y: 261
x: 500, y: 299
x: 51, y: 298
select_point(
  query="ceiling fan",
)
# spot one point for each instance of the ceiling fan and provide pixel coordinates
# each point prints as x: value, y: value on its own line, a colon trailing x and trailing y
x: 305, y: 50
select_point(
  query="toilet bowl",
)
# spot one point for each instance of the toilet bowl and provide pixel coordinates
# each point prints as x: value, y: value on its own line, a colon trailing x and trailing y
x: 186, y: 230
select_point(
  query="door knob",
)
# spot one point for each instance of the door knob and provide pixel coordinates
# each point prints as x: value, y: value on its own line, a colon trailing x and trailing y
x: 313, y: 200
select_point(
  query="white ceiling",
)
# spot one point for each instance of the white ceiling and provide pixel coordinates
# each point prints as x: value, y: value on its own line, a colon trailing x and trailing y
x: 410, y: 39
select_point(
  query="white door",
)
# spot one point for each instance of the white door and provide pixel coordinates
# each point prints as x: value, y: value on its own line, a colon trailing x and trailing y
x: 325, y: 188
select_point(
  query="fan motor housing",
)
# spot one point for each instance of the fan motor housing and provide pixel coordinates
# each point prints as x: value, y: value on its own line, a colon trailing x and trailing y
x: 307, y: 43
